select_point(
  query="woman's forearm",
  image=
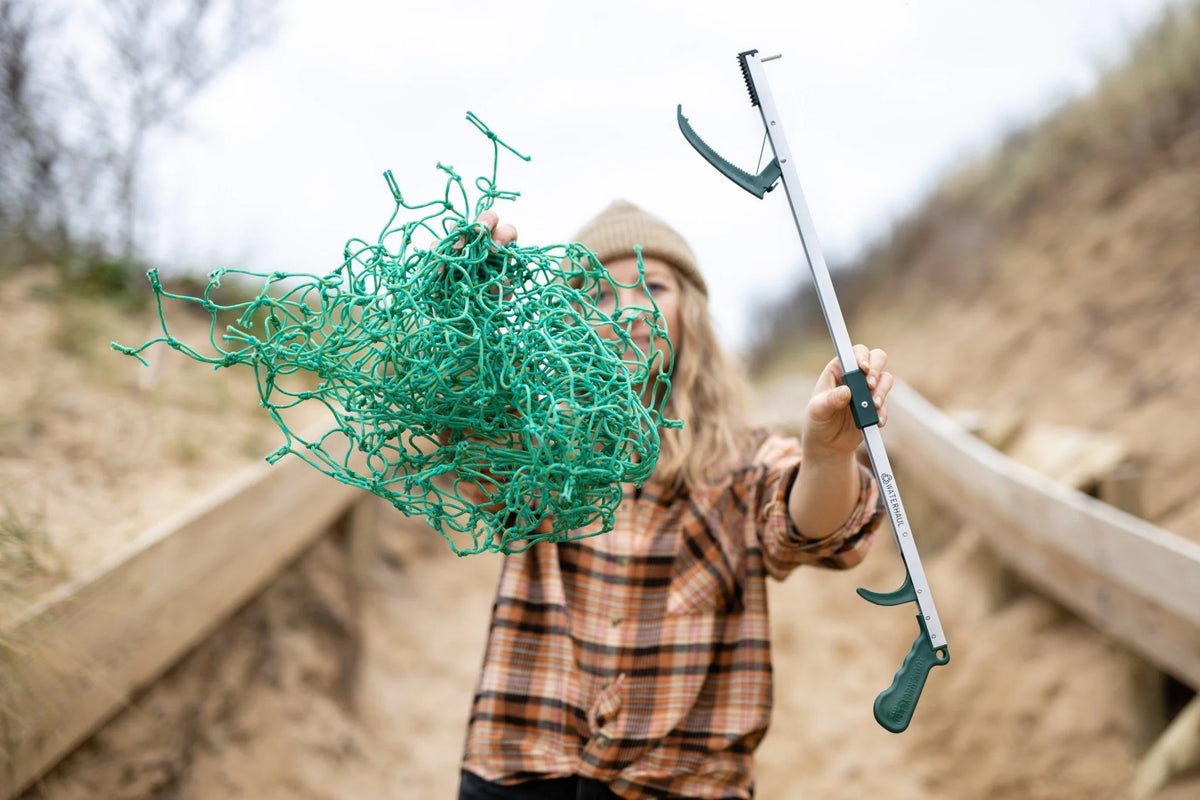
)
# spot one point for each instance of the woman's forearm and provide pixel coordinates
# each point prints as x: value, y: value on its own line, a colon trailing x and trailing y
x: 824, y: 494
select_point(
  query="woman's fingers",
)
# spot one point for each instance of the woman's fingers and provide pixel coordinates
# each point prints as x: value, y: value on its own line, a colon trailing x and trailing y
x: 501, y: 233
x: 488, y: 219
x: 825, y: 405
x: 830, y: 377
x: 829, y: 402
x: 871, y: 362
x: 886, y: 382
x: 504, y: 234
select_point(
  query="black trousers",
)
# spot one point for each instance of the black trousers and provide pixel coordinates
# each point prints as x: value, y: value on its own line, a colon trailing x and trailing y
x: 473, y: 787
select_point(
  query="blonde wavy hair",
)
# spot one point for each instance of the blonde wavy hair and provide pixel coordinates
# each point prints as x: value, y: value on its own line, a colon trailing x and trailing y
x: 708, y: 392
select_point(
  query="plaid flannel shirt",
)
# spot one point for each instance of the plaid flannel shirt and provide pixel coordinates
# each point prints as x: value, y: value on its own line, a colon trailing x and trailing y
x: 641, y: 657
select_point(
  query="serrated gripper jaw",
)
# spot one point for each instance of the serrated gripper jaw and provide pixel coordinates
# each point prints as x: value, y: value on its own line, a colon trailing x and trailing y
x: 746, y: 75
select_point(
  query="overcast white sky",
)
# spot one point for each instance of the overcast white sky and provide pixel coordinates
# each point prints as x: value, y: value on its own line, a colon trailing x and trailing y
x: 282, y: 159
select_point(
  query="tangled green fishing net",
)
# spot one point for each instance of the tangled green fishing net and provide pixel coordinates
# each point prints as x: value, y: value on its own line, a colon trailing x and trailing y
x: 477, y: 385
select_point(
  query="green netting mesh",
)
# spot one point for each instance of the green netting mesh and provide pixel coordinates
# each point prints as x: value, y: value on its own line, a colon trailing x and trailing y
x: 477, y: 385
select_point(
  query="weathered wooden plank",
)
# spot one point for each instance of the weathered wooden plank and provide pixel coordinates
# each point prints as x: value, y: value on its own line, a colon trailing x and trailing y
x: 1125, y: 576
x: 74, y: 659
x: 1158, y: 635
x: 1175, y: 753
x: 1075, y: 457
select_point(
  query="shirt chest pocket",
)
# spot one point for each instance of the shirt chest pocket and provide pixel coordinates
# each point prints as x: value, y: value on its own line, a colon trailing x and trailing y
x: 708, y: 574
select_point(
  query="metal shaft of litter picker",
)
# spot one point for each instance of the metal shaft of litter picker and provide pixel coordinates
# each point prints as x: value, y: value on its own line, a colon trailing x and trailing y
x: 756, y: 76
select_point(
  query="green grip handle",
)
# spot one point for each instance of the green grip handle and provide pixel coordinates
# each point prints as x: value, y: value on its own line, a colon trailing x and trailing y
x: 895, y: 705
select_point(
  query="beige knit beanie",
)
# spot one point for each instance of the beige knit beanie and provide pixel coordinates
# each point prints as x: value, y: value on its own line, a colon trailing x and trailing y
x: 615, y: 231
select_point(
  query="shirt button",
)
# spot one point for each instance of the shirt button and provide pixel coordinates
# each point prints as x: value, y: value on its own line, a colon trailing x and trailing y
x: 602, y: 740
x: 623, y: 561
x: 617, y: 621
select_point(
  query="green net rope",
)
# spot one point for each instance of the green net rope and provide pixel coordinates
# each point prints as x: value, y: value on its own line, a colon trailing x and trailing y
x: 476, y: 385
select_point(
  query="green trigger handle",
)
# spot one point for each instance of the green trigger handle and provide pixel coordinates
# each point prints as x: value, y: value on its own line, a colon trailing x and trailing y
x: 757, y: 185
x: 895, y: 705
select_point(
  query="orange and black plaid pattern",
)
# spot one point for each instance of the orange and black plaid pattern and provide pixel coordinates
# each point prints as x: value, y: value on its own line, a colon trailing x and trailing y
x: 641, y: 657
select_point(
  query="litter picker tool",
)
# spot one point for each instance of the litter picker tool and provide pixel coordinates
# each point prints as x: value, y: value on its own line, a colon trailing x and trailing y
x: 895, y: 705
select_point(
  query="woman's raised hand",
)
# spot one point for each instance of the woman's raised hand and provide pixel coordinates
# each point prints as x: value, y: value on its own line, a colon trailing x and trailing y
x: 829, y: 429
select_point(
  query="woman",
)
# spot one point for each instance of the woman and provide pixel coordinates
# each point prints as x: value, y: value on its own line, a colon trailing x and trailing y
x: 637, y: 664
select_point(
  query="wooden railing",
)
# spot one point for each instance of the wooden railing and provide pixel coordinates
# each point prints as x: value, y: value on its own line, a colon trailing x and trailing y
x: 1126, y: 577
x: 74, y: 659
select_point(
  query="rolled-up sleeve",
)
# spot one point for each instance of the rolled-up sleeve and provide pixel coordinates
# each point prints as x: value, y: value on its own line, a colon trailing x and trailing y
x: 777, y: 463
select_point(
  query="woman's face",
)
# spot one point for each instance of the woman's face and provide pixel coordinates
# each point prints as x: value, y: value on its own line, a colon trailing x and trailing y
x: 662, y: 284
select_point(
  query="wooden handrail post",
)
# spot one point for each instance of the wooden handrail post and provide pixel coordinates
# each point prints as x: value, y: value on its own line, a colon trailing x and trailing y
x: 1177, y: 751
x: 357, y: 532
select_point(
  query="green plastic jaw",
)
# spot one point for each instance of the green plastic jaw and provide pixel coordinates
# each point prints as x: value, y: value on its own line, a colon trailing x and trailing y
x: 757, y: 185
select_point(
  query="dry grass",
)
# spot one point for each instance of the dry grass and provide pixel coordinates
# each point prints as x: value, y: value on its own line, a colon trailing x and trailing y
x: 1137, y: 110
x: 29, y: 560
x: 95, y: 447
